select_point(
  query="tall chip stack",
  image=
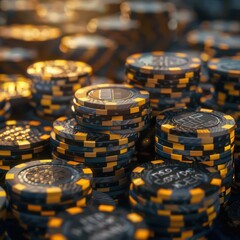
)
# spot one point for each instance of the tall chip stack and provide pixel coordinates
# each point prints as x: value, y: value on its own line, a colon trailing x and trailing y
x: 225, y: 74
x: 34, y: 199
x: 170, y: 78
x: 102, y: 135
x: 42, y: 38
x: 54, y: 83
x: 93, y: 49
x: 125, y: 32
x: 102, y: 223
x: 21, y: 142
x: 3, y: 211
x: 178, y: 200
x: 202, y: 136
x: 155, y: 19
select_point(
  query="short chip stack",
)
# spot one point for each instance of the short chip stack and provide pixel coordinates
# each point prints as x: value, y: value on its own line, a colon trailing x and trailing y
x: 170, y: 78
x: 54, y: 83
x: 112, y: 107
x: 104, y: 222
x: 3, y: 211
x: 21, y: 142
x: 178, y: 200
x: 201, y: 136
x: 40, y: 189
x: 225, y: 74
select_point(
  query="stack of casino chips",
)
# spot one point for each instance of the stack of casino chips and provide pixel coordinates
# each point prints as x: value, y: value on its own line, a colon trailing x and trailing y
x: 104, y: 222
x: 108, y: 119
x: 15, y: 60
x: 21, y: 142
x: 3, y: 211
x: 224, y: 46
x: 155, y: 19
x: 225, y: 74
x: 214, y: 43
x: 200, y: 39
x: 178, y: 200
x: 112, y: 107
x: 125, y: 32
x: 170, y: 78
x: 17, y: 89
x: 38, y: 190
x: 54, y: 83
x: 96, y: 50
x: 41, y: 38
x: 108, y: 156
x: 201, y: 136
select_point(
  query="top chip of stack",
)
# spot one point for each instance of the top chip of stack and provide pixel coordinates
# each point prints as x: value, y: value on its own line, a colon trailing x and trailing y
x: 112, y: 107
x: 40, y: 189
x: 54, y: 83
x: 104, y: 222
x: 178, y: 200
x: 203, y: 136
x: 171, y: 78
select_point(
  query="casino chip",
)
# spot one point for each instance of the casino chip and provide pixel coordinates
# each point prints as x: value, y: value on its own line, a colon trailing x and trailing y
x: 21, y: 142
x: 170, y: 78
x: 225, y: 73
x: 54, y: 83
x: 178, y: 200
x: 3, y: 211
x: 109, y: 155
x: 202, y: 136
x: 104, y: 222
x: 38, y: 190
